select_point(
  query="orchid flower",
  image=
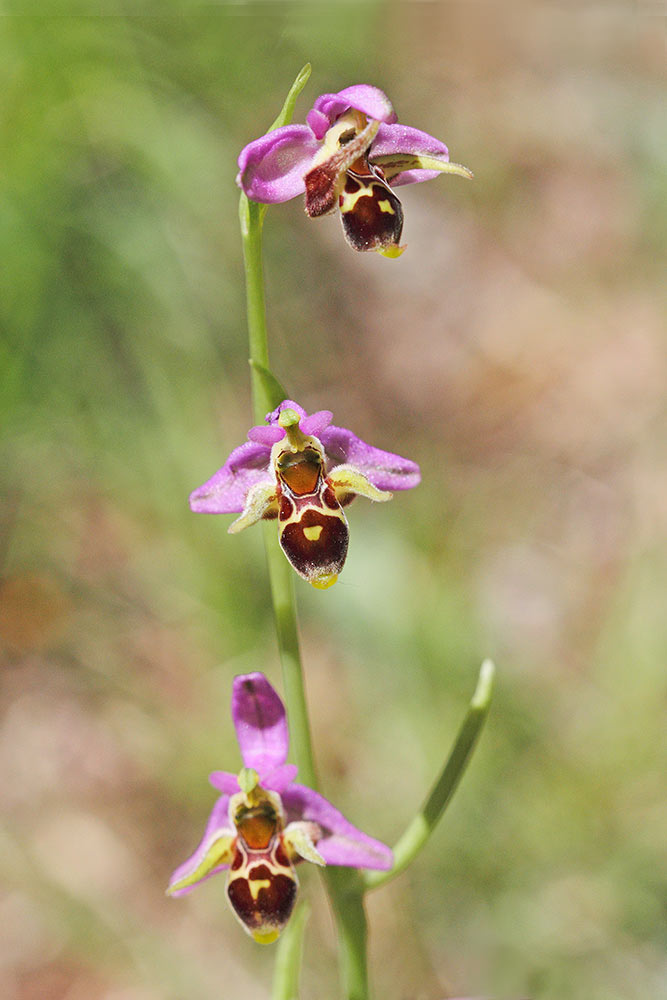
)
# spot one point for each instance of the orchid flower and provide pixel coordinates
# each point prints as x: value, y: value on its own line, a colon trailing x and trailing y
x: 302, y: 470
x: 264, y: 823
x: 345, y: 156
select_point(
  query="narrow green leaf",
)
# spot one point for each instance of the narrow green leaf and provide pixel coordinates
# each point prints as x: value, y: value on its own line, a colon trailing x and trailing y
x: 285, y: 116
x: 273, y: 390
x: 422, y: 826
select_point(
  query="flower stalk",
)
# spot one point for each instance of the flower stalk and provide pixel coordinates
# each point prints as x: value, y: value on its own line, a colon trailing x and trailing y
x: 346, y: 898
x: 280, y: 574
x: 289, y: 957
x: 251, y: 220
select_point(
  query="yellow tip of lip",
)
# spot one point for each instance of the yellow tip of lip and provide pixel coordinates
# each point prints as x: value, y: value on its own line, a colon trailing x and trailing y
x: 266, y: 937
x: 324, y: 582
x: 391, y: 252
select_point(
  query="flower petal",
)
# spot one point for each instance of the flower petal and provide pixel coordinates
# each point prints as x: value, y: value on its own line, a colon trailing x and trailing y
x: 278, y: 779
x: 205, y: 862
x: 261, y: 501
x: 299, y: 839
x: 224, y: 781
x: 260, y: 723
x: 225, y: 492
x: 287, y: 404
x: 316, y: 422
x: 272, y: 168
x: 395, y: 139
x: 347, y: 480
x: 372, y: 101
x: 312, y: 425
x: 266, y: 435
x: 341, y: 843
x: 383, y: 469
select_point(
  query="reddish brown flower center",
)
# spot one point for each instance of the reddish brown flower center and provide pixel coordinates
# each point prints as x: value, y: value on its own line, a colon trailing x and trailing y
x: 300, y: 471
x: 257, y: 826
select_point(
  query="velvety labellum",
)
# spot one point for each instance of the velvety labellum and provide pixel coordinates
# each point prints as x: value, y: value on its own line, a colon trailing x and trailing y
x: 371, y: 213
x: 262, y: 888
x: 313, y: 529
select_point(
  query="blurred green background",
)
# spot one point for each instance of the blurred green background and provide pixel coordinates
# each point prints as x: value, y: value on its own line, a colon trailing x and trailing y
x: 515, y: 350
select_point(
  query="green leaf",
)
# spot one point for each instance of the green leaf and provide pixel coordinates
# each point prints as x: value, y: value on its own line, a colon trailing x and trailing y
x: 273, y: 390
x: 285, y: 116
x: 422, y: 826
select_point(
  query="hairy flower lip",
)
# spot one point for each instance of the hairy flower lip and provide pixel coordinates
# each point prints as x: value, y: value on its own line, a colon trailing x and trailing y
x: 261, y: 727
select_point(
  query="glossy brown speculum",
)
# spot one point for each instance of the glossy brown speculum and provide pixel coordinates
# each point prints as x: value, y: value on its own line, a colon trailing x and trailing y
x: 300, y: 471
x: 257, y: 825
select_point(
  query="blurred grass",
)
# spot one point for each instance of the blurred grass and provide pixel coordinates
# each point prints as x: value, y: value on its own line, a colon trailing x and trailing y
x: 517, y: 351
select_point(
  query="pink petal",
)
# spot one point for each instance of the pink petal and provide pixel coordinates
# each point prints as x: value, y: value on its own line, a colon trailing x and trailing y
x: 279, y: 779
x: 272, y: 168
x: 218, y: 824
x: 393, y: 138
x: 384, y: 469
x: 316, y: 422
x: 287, y: 404
x: 372, y: 101
x: 266, y: 435
x: 224, y: 782
x: 225, y: 492
x: 260, y: 723
x: 342, y: 843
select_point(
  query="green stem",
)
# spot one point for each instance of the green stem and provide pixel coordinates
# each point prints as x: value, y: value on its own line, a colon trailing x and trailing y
x: 346, y: 891
x: 281, y: 577
x: 344, y: 886
x: 288, y: 957
x: 280, y: 573
x: 422, y: 826
x: 251, y: 219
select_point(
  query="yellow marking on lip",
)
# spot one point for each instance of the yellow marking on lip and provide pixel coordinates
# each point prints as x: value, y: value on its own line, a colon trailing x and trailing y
x: 313, y: 532
x: 385, y: 206
x: 350, y: 199
x: 256, y: 884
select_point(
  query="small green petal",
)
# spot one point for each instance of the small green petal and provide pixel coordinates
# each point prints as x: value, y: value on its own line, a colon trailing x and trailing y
x: 218, y: 853
x: 397, y: 163
x: 298, y: 838
x: 261, y: 497
x: 346, y: 479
